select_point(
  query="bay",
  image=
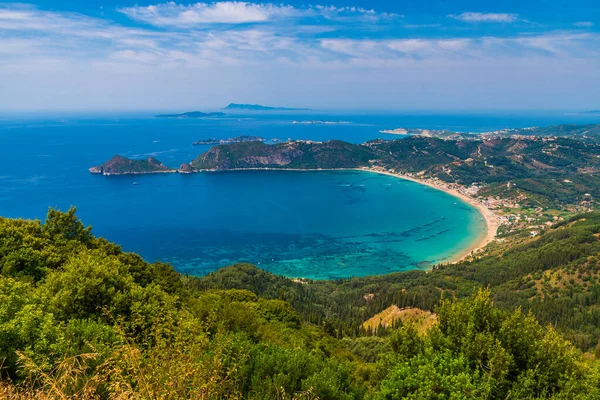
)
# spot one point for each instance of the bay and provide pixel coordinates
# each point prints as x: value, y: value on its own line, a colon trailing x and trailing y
x: 319, y: 225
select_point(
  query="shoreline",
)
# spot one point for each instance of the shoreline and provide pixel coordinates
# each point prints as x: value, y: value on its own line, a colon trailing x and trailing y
x: 490, y: 218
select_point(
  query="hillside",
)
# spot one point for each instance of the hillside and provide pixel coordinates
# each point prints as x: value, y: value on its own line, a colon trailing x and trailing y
x: 289, y: 155
x: 81, y: 319
x: 549, y: 171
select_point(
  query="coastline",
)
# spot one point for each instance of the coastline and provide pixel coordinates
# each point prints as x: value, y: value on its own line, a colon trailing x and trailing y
x: 491, y: 219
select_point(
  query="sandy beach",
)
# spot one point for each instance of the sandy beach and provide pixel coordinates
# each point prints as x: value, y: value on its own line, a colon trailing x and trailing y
x: 491, y: 219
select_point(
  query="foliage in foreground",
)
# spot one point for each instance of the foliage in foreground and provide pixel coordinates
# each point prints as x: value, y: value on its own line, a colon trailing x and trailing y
x: 81, y: 319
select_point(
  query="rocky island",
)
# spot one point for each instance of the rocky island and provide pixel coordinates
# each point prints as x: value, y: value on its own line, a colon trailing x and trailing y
x: 192, y: 114
x: 237, y: 139
x: 119, y: 165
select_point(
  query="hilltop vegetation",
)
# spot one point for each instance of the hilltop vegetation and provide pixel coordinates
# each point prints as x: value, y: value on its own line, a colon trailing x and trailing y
x: 79, y: 318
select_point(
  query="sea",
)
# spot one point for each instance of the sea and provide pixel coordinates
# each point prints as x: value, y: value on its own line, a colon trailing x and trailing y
x: 317, y: 225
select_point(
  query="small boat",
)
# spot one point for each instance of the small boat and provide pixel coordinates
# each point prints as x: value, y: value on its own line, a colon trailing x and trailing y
x: 136, y: 183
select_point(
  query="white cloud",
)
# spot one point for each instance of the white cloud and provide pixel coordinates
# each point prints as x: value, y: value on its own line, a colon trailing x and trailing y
x: 584, y: 24
x: 225, y: 12
x: 485, y: 17
x: 234, y: 12
x: 333, y: 12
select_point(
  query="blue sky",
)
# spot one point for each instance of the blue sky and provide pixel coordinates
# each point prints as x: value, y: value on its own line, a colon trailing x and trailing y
x: 404, y: 55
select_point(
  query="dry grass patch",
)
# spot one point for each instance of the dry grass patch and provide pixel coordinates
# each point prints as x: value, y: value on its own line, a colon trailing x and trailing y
x: 421, y: 318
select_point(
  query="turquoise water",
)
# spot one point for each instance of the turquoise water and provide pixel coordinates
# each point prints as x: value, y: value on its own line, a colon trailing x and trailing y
x: 300, y: 224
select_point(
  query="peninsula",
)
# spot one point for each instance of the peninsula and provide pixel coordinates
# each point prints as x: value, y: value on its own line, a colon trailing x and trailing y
x: 258, y: 107
x: 192, y: 114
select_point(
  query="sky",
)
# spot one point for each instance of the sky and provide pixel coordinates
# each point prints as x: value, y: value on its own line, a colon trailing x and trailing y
x: 385, y: 55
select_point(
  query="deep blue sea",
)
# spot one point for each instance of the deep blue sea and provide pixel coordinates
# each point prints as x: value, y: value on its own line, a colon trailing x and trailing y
x: 300, y: 224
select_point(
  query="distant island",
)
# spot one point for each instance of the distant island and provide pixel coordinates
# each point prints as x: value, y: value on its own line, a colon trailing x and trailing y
x: 119, y: 165
x: 192, y: 114
x: 591, y: 112
x: 237, y: 139
x: 319, y: 122
x: 258, y: 107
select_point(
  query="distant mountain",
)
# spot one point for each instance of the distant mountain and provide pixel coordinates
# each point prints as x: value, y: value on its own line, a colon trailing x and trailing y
x: 192, y: 114
x: 257, y: 107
